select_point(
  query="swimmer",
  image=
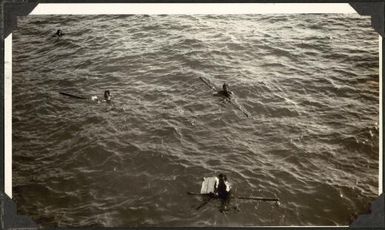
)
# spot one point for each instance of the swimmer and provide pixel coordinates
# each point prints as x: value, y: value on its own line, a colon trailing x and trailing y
x: 107, y: 97
x: 225, y: 91
x: 226, y: 94
x: 58, y: 33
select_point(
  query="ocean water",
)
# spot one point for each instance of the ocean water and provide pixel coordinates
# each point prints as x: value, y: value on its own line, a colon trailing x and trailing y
x: 309, y: 84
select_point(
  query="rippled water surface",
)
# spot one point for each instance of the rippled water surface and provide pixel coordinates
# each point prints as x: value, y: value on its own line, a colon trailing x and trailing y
x: 308, y: 82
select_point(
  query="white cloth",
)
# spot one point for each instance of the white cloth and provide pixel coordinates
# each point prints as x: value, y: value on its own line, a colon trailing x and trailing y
x: 208, y: 184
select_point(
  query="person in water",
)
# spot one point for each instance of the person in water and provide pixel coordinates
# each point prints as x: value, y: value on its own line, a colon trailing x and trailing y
x: 107, y: 97
x: 225, y: 91
x: 58, y: 33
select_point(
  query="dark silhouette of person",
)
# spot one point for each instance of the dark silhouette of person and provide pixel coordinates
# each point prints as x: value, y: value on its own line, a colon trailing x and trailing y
x: 225, y: 91
x: 107, y: 96
x: 222, y: 191
x: 59, y: 33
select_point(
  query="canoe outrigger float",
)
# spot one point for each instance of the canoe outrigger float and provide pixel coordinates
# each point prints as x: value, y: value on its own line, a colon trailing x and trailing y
x: 212, y: 196
x: 240, y: 197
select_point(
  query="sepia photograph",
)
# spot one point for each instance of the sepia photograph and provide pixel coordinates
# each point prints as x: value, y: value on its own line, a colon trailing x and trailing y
x: 195, y: 120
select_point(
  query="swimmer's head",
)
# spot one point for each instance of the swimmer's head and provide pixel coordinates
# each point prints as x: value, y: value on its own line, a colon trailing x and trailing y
x: 59, y: 32
x: 225, y: 87
x: 107, y: 95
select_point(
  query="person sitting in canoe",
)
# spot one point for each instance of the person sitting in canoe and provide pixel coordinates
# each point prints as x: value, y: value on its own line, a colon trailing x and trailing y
x: 217, y: 187
x: 222, y: 187
x: 222, y: 191
x: 225, y: 92
x: 58, y: 33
